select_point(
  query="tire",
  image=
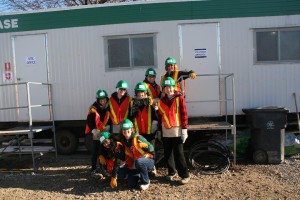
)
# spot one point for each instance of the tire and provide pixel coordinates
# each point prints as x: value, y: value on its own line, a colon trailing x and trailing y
x: 260, y: 156
x: 88, y: 142
x: 66, y: 142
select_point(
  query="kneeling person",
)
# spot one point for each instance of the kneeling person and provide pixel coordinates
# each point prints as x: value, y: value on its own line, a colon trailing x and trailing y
x: 138, y: 154
x: 112, y: 156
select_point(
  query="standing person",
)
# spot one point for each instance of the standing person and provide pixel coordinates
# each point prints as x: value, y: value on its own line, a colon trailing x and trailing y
x: 119, y: 105
x: 178, y: 76
x: 138, y: 155
x: 153, y: 88
x: 112, y: 155
x: 98, y: 120
x: 142, y: 114
x: 172, y: 108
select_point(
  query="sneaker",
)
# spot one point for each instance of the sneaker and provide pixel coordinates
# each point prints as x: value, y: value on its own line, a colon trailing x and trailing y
x: 153, y: 171
x: 185, y: 180
x: 171, y: 177
x: 145, y: 186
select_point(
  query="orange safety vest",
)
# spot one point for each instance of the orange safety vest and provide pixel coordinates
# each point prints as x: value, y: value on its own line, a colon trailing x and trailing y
x: 100, y: 125
x: 118, y: 113
x: 134, y: 153
x: 154, y: 93
x: 143, y: 121
x: 110, y: 163
x: 177, y: 86
x: 170, y: 116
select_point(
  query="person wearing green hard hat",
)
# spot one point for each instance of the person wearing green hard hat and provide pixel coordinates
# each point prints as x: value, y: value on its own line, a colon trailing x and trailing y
x: 153, y: 88
x: 173, y: 114
x: 112, y: 157
x: 138, y: 155
x: 143, y: 115
x: 98, y: 120
x: 119, y: 105
x: 177, y: 75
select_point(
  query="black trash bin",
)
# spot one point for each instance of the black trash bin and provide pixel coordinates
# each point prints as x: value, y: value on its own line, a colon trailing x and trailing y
x: 267, y: 133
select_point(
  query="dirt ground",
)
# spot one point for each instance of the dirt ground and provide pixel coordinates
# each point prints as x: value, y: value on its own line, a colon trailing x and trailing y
x: 69, y: 178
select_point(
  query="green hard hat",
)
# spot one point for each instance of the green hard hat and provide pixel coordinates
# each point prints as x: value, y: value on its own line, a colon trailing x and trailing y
x: 122, y: 84
x: 170, y: 61
x: 150, y: 72
x: 104, y: 136
x: 141, y: 86
x: 101, y: 94
x: 168, y: 82
x: 126, y: 124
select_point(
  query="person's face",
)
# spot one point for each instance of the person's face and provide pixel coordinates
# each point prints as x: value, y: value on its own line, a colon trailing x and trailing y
x: 170, y: 68
x: 169, y: 90
x: 106, y: 143
x: 103, y: 102
x: 127, y: 133
x: 151, y: 79
x: 121, y: 92
x: 141, y: 94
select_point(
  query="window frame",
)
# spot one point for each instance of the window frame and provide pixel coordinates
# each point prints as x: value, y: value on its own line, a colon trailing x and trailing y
x: 130, y: 37
x: 279, y: 30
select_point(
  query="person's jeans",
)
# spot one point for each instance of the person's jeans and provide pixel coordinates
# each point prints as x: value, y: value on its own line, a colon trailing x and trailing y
x: 143, y: 165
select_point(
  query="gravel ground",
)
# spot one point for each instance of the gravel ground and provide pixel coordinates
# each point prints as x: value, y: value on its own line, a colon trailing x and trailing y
x: 69, y: 178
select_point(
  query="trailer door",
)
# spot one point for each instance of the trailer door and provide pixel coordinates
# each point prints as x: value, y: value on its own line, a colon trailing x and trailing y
x: 30, y: 57
x: 200, y: 51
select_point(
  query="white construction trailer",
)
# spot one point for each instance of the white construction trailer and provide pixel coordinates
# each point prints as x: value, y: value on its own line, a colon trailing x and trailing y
x: 252, y: 45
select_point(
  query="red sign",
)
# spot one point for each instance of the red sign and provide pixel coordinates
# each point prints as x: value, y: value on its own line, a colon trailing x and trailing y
x: 7, y: 66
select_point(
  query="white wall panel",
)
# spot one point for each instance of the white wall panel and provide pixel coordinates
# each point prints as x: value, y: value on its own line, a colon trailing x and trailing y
x: 77, y: 63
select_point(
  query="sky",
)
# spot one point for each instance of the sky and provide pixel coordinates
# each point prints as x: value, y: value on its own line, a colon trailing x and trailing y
x: 3, y: 8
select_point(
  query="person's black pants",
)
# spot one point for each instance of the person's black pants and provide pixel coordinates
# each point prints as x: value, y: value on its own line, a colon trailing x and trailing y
x: 95, y: 153
x: 174, y: 155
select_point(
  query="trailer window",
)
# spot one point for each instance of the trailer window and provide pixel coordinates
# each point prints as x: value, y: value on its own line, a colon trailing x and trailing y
x: 277, y: 45
x: 131, y: 51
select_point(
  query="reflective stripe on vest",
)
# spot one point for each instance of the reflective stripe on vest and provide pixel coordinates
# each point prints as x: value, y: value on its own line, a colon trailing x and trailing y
x: 142, y: 122
x: 170, y: 116
x: 118, y: 113
x: 100, y: 125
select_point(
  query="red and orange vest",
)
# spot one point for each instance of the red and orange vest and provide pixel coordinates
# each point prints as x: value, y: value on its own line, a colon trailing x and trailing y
x: 110, y: 163
x: 100, y: 125
x: 134, y: 153
x: 143, y: 120
x: 170, y: 115
x: 154, y: 93
x: 118, y: 112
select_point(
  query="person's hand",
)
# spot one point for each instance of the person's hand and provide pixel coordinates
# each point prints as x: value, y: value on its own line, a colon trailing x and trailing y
x: 96, y: 134
x: 184, y: 135
x: 192, y: 75
x: 102, y: 160
x: 113, y: 182
x: 143, y: 145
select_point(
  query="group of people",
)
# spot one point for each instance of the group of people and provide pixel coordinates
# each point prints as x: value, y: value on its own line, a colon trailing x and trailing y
x: 124, y: 128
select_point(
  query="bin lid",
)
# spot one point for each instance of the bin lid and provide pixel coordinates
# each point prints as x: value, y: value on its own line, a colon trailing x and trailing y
x: 266, y: 109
